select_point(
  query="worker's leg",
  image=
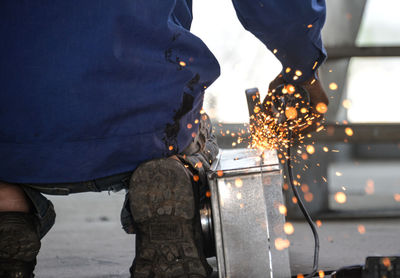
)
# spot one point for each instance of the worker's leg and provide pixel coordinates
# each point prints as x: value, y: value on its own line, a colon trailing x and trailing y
x: 13, y: 198
x: 164, y: 201
x: 19, y: 236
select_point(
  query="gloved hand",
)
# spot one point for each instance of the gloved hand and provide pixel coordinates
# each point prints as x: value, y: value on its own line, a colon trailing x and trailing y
x: 318, y: 103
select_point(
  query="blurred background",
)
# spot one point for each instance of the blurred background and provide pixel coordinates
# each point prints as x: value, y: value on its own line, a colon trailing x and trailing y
x: 245, y: 61
x: 358, y: 155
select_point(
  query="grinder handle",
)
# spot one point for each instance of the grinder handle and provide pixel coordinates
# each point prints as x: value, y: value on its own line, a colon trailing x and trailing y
x: 253, y: 101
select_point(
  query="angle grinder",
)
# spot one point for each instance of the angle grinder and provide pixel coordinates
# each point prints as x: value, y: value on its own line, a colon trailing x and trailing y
x: 285, y: 107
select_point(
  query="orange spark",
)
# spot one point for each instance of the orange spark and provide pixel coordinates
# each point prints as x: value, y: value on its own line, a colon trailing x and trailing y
x: 298, y: 73
x: 308, y: 197
x: 348, y: 131
x: 220, y: 173
x: 303, y: 110
x: 238, y: 182
x: 333, y: 86
x: 291, y: 113
x: 189, y: 126
x: 346, y: 103
x: 282, y: 209
x: 319, y: 223
x: 396, y: 197
x: 196, y: 178
x: 386, y: 262
x: 182, y: 64
x: 285, y: 186
x: 370, y: 187
x: 281, y: 243
x: 310, y: 149
x: 268, y: 133
x: 288, y: 228
x: 208, y: 194
x: 321, y: 108
x: 340, y: 197
x: 305, y: 188
x: 361, y: 229
x: 290, y: 88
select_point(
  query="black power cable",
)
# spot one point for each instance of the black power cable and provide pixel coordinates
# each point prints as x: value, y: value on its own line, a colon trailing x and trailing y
x: 305, y: 213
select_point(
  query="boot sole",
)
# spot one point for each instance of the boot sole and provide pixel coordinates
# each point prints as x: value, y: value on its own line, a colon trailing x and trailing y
x: 19, y: 245
x: 19, y: 240
x: 163, y: 207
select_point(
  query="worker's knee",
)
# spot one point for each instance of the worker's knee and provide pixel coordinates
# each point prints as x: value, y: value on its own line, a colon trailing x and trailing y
x: 19, y: 243
x: 13, y: 198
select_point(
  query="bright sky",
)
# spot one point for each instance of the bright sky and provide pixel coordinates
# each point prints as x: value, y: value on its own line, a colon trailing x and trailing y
x: 372, y: 86
x: 246, y: 63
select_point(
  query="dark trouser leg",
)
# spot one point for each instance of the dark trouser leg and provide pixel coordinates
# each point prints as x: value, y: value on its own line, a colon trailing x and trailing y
x: 164, y: 201
x: 19, y: 244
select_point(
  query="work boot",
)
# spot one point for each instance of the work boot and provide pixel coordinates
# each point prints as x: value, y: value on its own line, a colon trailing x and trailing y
x: 19, y: 244
x: 164, y: 209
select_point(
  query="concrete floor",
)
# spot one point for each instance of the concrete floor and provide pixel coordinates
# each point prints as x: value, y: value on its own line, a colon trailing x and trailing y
x: 87, y: 240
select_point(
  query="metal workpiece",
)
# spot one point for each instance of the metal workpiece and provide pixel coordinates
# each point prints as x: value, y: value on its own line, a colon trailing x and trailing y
x: 246, y: 193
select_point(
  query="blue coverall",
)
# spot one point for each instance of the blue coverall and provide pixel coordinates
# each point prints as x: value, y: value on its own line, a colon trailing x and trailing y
x: 92, y: 88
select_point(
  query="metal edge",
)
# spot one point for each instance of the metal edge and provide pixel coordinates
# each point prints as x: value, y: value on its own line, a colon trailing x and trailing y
x: 219, y: 245
x: 250, y: 170
x: 212, y: 173
x: 216, y: 162
x: 272, y: 236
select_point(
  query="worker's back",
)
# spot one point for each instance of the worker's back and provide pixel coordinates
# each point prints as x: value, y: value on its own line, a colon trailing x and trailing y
x: 92, y: 88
